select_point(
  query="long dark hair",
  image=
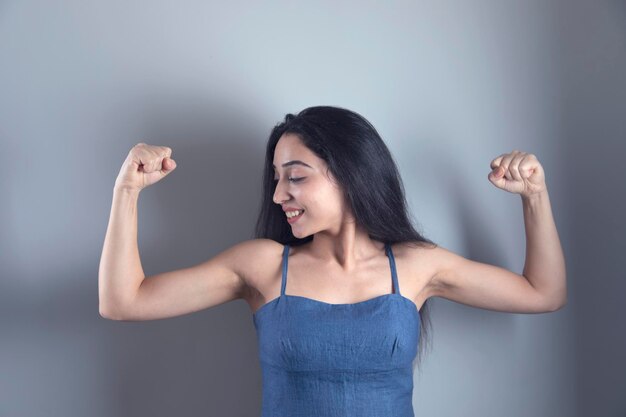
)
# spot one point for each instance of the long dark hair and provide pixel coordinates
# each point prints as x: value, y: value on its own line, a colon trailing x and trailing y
x: 360, y: 162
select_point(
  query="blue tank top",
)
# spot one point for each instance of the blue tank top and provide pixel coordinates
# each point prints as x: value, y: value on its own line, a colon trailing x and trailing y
x: 337, y: 360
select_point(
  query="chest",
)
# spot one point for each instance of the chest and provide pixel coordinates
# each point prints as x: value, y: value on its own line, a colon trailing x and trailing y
x: 310, y: 279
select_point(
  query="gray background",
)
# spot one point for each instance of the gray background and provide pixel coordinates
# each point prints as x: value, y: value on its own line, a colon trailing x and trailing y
x: 449, y: 85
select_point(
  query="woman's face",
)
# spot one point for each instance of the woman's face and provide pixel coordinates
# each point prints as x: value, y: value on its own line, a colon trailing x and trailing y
x: 303, y: 183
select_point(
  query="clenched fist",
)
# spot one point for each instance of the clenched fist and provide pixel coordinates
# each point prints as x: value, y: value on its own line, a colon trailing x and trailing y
x: 145, y: 165
x: 518, y: 172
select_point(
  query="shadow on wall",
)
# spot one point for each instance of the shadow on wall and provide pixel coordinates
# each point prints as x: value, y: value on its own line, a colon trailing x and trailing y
x: 593, y: 107
x: 210, y: 205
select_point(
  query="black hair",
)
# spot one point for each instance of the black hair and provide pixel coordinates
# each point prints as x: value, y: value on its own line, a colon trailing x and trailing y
x: 360, y: 162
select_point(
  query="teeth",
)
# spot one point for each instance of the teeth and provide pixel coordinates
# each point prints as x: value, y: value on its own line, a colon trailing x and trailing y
x: 291, y: 214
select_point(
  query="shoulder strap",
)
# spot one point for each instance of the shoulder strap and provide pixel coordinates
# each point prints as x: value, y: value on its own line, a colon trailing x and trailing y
x: 284, y: 278
x: 392, y: 264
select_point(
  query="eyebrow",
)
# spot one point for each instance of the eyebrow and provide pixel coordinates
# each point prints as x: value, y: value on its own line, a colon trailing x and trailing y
x: 294, y: 162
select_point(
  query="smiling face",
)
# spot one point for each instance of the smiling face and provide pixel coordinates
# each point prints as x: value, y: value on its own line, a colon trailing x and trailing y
x: 304, y: 182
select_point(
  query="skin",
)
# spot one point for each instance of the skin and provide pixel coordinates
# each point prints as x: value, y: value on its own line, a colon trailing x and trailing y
x: 341, y: 264
x: 338, y: 239
x: 340, y: 247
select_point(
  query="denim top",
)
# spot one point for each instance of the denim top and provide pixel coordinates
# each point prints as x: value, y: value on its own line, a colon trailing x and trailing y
x: 337, y: 360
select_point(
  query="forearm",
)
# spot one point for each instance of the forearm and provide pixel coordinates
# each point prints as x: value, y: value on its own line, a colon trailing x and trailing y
x: 120, y: 272
x: 545, y: 264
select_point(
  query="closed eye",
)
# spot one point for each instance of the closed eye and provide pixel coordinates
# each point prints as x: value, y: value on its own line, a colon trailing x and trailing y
x: 292, y: 179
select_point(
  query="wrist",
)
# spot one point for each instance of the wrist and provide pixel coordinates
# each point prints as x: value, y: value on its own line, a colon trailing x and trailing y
x: 537, y: 196
x: 127, y: 191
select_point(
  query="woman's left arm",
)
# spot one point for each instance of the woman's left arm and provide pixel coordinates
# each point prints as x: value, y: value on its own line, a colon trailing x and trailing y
x: 542, y: 287
x: 545, y: 263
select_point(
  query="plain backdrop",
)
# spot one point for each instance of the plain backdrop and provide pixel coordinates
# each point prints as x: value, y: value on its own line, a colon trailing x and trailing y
x: 449, y: 85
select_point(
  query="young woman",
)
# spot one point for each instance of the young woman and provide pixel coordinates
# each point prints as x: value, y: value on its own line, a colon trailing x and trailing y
x: 337, y: 278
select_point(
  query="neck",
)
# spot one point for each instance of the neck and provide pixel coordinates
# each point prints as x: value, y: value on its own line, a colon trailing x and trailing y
x: 344, y: 248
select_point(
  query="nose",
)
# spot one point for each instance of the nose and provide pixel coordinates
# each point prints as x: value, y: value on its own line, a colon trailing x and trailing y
x: 279, y: 195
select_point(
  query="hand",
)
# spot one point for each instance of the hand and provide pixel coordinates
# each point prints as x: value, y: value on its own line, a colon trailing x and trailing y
x: 145, y: 165
x: 518, y: 172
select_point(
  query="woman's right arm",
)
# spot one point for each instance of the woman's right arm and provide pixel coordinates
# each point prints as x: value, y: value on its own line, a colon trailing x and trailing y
x: 125, y: 293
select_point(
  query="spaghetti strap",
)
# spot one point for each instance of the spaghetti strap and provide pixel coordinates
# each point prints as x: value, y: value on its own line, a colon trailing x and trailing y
x: 284, y: 278
x: 392, y: 263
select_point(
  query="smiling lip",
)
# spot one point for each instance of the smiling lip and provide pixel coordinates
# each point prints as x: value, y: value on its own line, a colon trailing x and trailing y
x: 291, y: 208
x: 294, y: 219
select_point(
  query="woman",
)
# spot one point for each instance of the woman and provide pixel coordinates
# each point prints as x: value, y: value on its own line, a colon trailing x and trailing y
x: 337, y: 278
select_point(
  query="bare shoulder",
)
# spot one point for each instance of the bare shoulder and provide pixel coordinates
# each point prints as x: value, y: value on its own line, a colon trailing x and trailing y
x: 260, y: 264
x: 416, y: 264
x: 256, y: 258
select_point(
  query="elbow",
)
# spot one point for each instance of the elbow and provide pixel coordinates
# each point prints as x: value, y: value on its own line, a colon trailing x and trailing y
x: 108, y: 313
x: 556, y: 308
x: 558, y: 305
